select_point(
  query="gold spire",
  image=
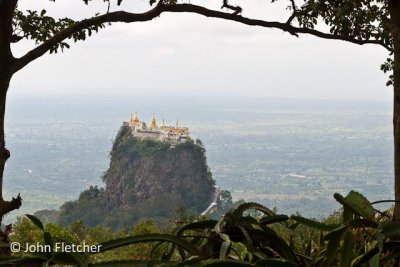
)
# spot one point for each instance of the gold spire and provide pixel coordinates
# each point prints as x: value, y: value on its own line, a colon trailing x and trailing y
x: 135, y: 119
x: 153, y: 124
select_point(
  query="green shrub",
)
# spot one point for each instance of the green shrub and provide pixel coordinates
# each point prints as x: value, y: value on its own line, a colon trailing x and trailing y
x: 249, y: 235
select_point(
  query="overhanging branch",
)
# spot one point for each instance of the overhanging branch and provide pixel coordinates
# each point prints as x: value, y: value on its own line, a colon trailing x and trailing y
x: 121, y: 16
x: 188, y: 8
x: 118, y: 16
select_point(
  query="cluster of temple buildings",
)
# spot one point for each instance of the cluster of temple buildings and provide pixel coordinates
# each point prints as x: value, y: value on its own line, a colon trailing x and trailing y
x: 173, y: 134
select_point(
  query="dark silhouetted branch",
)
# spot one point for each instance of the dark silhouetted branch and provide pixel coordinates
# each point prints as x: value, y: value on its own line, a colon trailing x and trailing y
x: 8, y: 206
x: 269, y: 24
x: 237, y: 9
x: 294, y: 12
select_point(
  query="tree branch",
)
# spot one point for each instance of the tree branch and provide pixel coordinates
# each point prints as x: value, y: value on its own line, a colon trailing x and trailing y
x: 15, y: 38
x: 121, y: 16
x: 294, y: 12
x: 237, y: 9
x: 268, y: 24
x: 8, y: 206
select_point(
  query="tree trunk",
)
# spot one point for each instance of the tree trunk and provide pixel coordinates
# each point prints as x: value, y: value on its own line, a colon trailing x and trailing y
x: 394, y: 9
x: 15, y: 203
x: 6, y: 71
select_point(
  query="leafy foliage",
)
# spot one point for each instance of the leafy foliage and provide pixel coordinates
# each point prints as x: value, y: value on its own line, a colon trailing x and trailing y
x: 40, y: 28
x: 37, y: 26
x: 125, y: 145
x: 363, y: 20
x: 388, y: 67
x: 253, y: 235
x: 27, y: 232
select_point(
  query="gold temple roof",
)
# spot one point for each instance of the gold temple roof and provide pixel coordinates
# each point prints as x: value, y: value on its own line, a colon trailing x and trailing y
x: 153, y: 124
x: 135, y: 118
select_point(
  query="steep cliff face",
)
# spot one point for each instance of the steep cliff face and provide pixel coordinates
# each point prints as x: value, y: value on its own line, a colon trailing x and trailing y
x: 145, y: 179
x: 146, y: 170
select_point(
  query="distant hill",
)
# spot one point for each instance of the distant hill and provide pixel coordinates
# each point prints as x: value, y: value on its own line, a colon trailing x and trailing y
x: 146, y: 179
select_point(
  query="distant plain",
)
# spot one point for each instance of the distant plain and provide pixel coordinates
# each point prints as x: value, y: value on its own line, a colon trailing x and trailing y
x: 287, y: 153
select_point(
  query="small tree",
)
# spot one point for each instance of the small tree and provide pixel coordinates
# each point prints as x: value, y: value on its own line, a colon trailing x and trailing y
x: 356, y: 21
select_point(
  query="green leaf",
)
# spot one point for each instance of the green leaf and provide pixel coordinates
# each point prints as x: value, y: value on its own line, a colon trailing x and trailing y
x: 374, y: 262
x: 347, y: 250
x: 362, y: 259
x: 4, y: 244
x: 275, y: 243
x: 275, y: 263
x: 238, y: 212
x: 357, y: 203
x: 6, y: 261
x: 216, y: 263
x: 35, y: 221
x: 133, y: 263
x: 347, y: 214
x: 48, y: 239
x: 390, y: 229
x: 148, y: 238
x: 314, y: 224
x: 336, y: 232
x: 334, y: 238
x: 380, y: 239
x: 207, y: 224
x: 274, y: 219
x: 225, y: 248
x: 71, y: 258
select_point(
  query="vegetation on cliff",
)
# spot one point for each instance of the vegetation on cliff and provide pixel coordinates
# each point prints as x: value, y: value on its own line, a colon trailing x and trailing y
x: 146, y: 179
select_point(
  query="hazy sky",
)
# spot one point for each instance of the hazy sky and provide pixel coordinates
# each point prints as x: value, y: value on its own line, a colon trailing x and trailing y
x: 189, y: 54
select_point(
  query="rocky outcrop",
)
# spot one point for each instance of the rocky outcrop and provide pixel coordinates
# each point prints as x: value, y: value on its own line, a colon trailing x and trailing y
x: 145, y: 179
x: 146, y: 169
